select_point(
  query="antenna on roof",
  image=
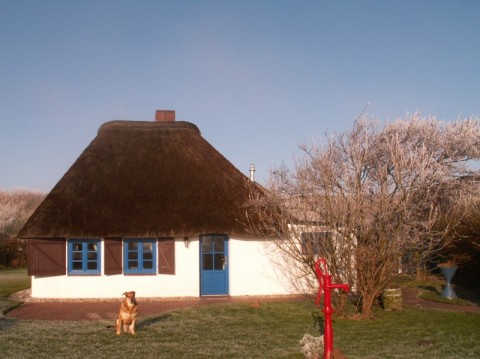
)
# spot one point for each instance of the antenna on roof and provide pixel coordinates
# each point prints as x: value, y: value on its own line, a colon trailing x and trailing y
x: 252, y: 172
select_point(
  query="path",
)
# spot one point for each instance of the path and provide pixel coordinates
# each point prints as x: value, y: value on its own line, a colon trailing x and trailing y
x: 104, y: 309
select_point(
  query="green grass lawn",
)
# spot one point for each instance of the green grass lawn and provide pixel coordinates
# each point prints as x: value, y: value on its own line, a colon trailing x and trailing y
x: 240, y: 331
x: 11, y: 281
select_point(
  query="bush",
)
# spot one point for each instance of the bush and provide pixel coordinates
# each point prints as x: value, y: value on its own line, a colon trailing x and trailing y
x: 15, y: 209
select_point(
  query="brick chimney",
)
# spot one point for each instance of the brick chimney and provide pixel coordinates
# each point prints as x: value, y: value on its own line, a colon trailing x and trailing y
x: 165, y: 116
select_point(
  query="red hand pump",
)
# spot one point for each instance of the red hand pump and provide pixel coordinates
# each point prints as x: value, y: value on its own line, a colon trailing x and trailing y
x: 325, y: 283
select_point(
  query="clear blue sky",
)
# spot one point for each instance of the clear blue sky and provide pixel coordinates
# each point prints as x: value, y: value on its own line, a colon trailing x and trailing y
x: 258, y: 77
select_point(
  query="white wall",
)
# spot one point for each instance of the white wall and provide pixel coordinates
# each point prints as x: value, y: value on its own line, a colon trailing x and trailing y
x: 253, y: 270
x: 185, y: 282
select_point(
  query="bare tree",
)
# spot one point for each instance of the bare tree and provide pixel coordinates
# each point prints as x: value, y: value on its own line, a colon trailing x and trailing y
x: 382, y: 192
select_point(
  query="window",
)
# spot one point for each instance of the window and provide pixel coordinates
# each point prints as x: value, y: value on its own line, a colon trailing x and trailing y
x: 84, y: 256
x: 214, y: 252
x: 140, y: 256
x: 317, y: 243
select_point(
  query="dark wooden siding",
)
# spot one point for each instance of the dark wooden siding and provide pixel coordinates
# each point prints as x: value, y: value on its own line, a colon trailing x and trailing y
x: 47, y: 257
x: 113, y: 256
x: 166, y: 256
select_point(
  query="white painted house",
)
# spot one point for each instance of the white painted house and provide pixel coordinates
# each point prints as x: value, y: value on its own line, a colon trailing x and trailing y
x: 150, y: 207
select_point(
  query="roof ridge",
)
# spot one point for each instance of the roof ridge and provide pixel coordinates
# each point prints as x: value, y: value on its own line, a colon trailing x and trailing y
x: 148, y: 125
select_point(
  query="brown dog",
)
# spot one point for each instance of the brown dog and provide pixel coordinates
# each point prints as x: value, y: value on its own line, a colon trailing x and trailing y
x: 127, y: 314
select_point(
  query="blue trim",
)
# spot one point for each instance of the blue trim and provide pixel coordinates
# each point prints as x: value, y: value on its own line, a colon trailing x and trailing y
x: 140, y: 256
x: 214, y: 264
x: 84, y: 256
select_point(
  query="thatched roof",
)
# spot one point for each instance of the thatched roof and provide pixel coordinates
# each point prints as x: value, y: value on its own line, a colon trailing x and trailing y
x: 145, y: 179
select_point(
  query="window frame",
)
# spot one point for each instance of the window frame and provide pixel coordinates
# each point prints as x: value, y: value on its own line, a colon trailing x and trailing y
x: 219, y: 256
x: 140, y: 270
x: 312, y: 241
x: 84, y: 256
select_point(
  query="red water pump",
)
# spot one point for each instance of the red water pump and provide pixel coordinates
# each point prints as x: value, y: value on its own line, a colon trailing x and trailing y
x: 325, y: 283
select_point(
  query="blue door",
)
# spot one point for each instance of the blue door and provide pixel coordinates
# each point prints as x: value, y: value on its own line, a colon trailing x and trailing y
x: 214, y: 264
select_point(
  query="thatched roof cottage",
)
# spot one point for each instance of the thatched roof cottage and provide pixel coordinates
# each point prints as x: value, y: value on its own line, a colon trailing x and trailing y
x: 150, y: 207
